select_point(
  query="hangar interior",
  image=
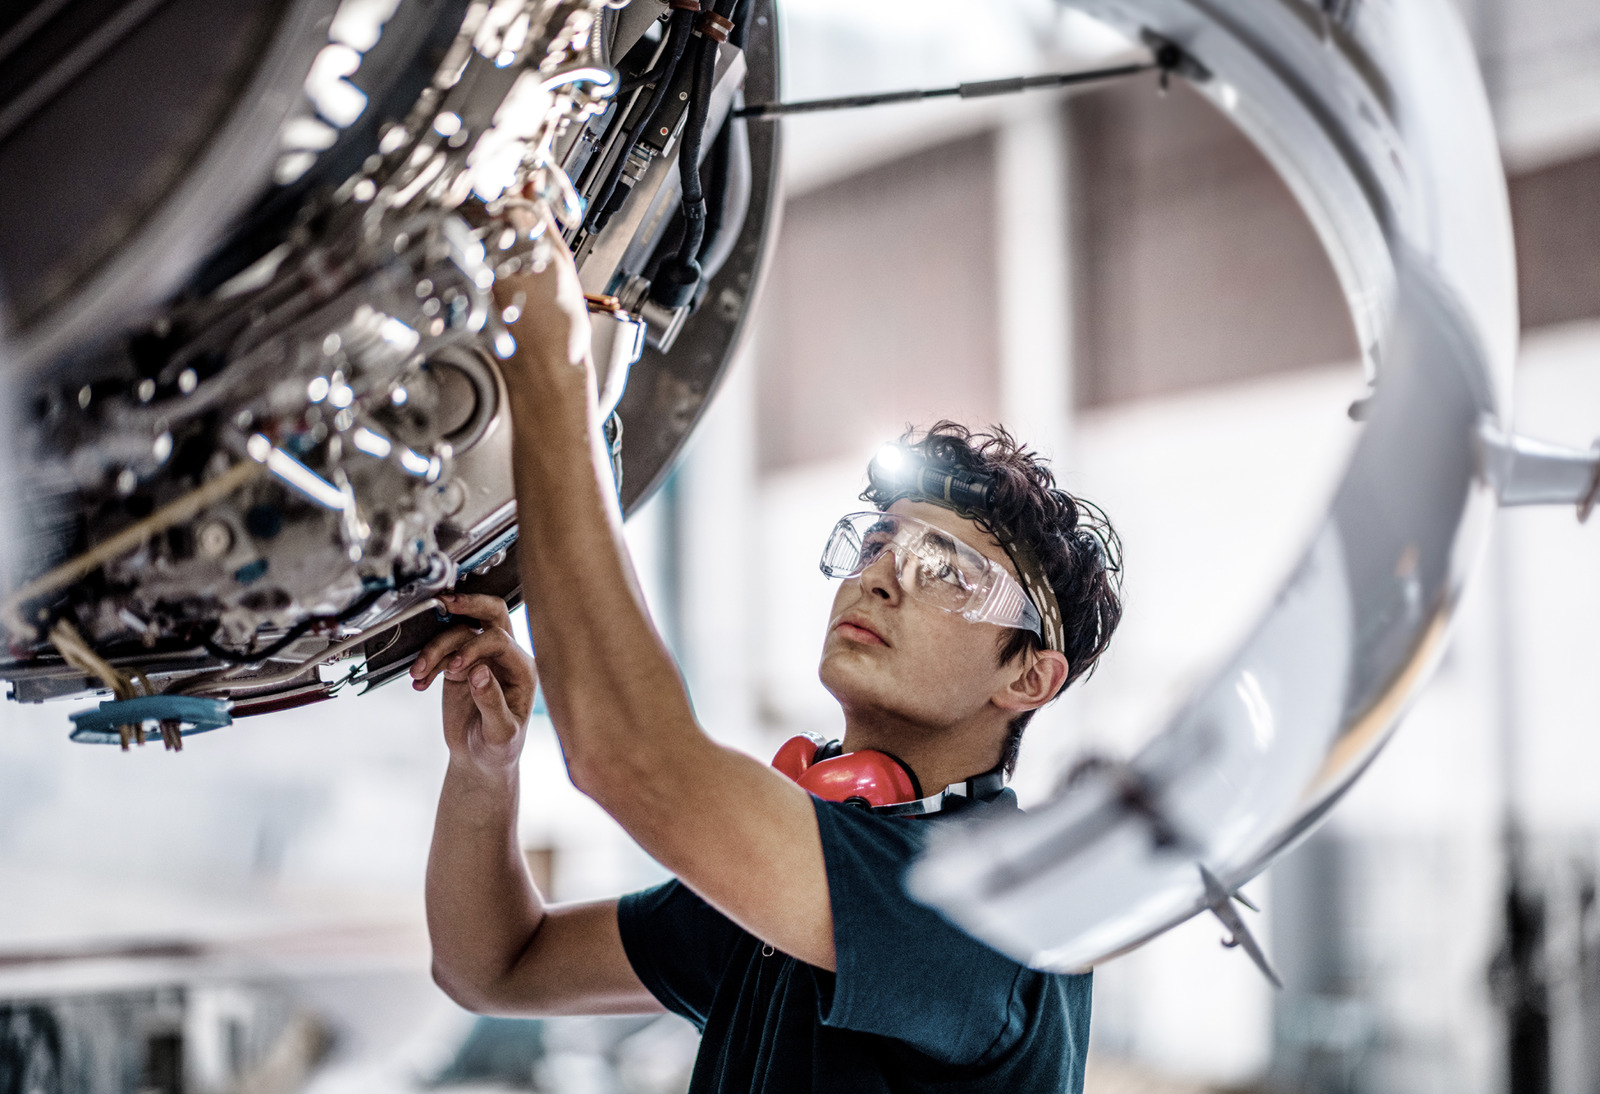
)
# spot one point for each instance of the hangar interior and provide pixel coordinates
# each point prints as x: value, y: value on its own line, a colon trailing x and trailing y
x: 1119, y: 276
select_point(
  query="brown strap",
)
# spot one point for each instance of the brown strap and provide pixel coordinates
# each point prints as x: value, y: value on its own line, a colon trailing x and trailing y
x: 685, y: 5
x: 713, y: 26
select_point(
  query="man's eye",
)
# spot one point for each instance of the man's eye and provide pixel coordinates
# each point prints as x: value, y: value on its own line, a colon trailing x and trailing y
x: 938, y: 562
x: 873, y: 546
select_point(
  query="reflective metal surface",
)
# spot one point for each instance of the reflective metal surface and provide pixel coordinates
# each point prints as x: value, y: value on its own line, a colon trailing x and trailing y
x: 1375, y: 115
x: 259, y: 409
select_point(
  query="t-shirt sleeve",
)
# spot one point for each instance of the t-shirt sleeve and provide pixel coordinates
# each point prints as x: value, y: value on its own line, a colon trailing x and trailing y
x: 903, y: 970
x: 678, y: 946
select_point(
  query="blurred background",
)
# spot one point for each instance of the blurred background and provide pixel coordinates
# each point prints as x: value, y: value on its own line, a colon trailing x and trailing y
x: 1121, y: 279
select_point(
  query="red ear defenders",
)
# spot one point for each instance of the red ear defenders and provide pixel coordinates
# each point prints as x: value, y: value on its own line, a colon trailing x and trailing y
x: 868, y: 777
x: 877, y: 780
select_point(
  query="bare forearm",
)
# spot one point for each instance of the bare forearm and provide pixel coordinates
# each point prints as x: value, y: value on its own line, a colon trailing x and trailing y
x: 742, y: 836
x: 483, y: 910
x: 611, y: 687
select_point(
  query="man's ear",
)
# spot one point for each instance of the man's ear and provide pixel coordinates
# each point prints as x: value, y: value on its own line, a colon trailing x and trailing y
x: 1036, y: 682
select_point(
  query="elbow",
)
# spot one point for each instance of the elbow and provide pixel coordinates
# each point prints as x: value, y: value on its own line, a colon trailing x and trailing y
x: 599, y: 769
x: 591, y: 774
x: 616, y: 780
x: 470, y: 993
x: 462, y: 990
x: 648, y: 767
x: 459, y: 989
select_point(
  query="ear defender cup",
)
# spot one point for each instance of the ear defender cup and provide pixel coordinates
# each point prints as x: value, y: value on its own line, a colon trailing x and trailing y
x: 868, y: 777
x: 798, y: 754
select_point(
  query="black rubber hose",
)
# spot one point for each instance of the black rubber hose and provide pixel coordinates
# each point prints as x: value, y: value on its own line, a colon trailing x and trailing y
x: 720, y: 168
x: 679, y: 28
x: 694, y: 135
x: 294, y: 633
x: 697, y: 223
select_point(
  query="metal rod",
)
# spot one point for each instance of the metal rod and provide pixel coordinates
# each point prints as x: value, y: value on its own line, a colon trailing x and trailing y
x: 981, y: 89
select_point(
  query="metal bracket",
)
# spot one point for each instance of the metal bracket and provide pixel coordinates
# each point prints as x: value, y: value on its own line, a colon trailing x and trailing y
x: 1524, y: 471
x: 175, y: 716
x: 1220, y: 901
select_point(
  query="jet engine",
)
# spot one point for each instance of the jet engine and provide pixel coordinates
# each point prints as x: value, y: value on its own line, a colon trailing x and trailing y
x: 252, y: 345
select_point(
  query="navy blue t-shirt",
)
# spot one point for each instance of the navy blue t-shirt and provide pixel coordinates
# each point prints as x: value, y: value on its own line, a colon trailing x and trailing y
x: 916, y: 1004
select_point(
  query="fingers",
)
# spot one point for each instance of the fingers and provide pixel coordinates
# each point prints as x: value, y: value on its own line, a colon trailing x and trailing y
x: 491, y: 609
x: 500, y: 726
x: 435, y: 653
x: 493, y: 647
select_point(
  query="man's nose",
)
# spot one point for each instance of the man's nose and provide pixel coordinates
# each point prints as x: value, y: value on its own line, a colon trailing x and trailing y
x: 881, y: 578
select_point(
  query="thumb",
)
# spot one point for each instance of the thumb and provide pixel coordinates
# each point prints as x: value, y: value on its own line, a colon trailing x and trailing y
x: 491, y: 703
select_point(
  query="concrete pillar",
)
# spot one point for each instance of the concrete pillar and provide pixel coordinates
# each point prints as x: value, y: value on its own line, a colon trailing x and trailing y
x: 718, y: 555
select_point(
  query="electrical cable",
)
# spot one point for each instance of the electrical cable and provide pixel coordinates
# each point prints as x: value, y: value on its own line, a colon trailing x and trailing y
x: 77, y: 653
x: 678, y: 32
x: 678, y: 278
x: 289, y: 676
x: 293, y: 634
x: 694, y: 135
x: 729, y: 181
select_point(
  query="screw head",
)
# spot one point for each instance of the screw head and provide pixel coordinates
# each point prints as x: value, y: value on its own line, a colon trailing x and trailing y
x: 214, y: 539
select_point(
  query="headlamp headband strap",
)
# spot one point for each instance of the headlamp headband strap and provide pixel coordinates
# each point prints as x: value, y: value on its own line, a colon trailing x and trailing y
x: 967, y: 495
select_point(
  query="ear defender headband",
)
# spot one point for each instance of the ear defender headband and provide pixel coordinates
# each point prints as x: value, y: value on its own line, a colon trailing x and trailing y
x: 897, y: 472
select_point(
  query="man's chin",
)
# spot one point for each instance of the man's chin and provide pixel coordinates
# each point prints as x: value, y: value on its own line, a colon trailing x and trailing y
x: 850, y: 669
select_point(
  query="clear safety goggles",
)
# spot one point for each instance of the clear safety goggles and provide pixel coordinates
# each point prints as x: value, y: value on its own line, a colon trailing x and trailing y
x: 933, y: 566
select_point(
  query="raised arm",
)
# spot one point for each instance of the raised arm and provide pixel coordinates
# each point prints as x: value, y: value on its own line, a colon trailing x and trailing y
x: 497, y: 947
x: 736, y: 832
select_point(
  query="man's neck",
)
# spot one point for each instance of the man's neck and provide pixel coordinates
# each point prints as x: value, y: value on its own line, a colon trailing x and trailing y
x: 939, y: 755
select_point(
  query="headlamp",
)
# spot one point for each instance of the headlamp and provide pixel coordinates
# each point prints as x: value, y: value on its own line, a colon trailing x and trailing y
x: 899, y: 471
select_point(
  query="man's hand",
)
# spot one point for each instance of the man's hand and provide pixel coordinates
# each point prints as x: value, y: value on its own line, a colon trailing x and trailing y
x: 489, y: 684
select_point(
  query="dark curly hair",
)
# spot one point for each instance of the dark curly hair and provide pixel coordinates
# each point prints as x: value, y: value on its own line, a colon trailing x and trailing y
x: 1074, y: 541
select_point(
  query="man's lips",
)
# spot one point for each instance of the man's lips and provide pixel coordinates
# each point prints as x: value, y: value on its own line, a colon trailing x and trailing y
x: 858, y: 630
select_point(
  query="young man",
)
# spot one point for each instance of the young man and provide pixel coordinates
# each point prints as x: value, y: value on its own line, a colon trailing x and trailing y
x: 786, y: 937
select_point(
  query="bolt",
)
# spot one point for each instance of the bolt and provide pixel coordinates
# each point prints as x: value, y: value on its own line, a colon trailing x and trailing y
x: 214, y: 539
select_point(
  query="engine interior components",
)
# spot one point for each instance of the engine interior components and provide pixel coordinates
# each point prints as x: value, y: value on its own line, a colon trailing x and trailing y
x: 260, y: 420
